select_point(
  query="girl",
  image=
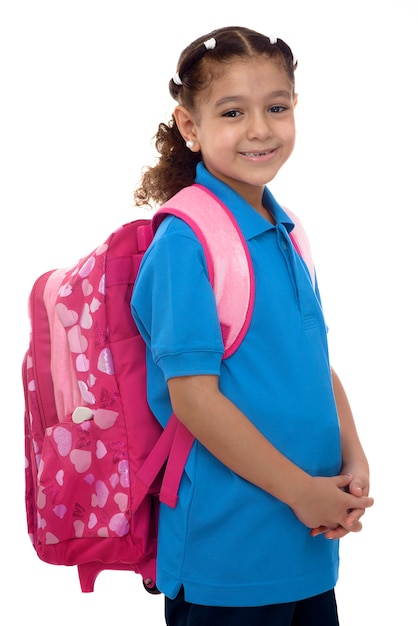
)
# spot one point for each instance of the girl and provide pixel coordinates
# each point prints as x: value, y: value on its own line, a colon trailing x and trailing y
x: 277, y: 475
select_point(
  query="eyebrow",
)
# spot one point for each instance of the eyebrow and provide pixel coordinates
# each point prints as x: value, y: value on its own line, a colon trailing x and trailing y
x: 275, y: 94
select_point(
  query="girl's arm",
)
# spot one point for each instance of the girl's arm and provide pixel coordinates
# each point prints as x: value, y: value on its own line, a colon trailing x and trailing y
x: 230, y: 436
x: 354, y: 458
x: 354, y: 461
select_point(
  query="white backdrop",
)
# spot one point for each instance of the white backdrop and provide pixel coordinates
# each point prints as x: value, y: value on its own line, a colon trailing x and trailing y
x: 83, y: 88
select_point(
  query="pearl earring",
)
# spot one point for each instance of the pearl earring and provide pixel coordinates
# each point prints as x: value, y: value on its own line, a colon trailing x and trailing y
x: 190, y: 144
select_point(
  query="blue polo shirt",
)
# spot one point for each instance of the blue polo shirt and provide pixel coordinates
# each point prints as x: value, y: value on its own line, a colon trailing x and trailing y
x: 228, y: 542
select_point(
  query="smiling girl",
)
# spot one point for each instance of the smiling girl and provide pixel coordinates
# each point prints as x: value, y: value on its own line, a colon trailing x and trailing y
x: 277, y: 474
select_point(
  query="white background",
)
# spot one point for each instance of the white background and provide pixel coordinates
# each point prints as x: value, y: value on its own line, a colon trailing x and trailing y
x: 83, y: 88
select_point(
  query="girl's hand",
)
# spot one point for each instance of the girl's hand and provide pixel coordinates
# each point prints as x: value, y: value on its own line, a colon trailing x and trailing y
x: 328, y: 506
x: 352, y: 522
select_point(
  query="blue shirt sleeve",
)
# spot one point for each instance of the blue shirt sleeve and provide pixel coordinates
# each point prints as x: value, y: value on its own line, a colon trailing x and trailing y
x: 173, y: 304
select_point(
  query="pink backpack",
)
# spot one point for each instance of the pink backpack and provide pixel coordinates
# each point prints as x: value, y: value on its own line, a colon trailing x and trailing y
x: 97, y: 461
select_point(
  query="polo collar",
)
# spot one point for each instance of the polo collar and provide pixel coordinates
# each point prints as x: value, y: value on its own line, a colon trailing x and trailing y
x: 250, y: 222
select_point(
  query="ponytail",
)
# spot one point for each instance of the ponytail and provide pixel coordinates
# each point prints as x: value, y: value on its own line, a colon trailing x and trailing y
x: 175, y: 169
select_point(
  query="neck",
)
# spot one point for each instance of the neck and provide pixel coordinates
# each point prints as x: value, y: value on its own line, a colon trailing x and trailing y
x: 254, y: 197
x: 256, y: 201
x: 266, y: 214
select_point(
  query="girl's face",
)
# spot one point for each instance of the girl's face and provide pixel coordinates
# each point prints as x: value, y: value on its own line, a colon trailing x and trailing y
x: 244, y: 125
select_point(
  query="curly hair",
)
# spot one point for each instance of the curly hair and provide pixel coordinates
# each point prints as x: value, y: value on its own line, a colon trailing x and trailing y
x: 196, y: 68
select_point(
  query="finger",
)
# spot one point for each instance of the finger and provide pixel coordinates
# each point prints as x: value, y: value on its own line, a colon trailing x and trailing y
x: 320, y: 530
x: 353, y: 518
x: 366, y: 502
x: 360, y: 502
x: 355, y: 489
x: 343, y: 480
x: 337, y: 533
x: 334, y: 533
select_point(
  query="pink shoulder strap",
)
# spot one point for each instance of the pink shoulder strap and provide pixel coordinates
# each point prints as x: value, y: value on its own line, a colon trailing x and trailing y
x: 232, y: 278
x: 231, y: 275
x: 227, y: 256
x: 301, y: 243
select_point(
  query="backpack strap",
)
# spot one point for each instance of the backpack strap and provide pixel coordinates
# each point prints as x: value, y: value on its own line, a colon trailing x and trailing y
x: 232, y: 278
x: 301, y: 242
x: 173, y: 448
x: 227, y: 257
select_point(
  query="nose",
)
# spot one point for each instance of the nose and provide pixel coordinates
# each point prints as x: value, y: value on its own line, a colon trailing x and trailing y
x: 258, y: 126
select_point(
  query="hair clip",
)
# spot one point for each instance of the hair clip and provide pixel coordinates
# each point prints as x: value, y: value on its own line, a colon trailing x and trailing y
x: 273, y: 40
x: 177, y: 79
x: 210, y: 44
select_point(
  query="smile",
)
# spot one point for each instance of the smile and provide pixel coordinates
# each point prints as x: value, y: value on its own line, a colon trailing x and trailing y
x: 260, y: 154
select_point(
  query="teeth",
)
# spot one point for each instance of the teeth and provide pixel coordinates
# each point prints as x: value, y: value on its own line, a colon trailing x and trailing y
x: 256, y: 154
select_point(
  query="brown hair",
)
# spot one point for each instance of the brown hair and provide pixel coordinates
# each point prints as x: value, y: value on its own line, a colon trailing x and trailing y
x: 176, y: 166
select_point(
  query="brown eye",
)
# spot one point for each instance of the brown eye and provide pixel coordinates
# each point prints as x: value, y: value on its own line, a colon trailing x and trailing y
x: 232, y: 114
x: 277, y: 108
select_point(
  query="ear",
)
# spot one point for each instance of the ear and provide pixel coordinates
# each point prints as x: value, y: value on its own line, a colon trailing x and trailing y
x: 186, y: 124
x: 295, y: 99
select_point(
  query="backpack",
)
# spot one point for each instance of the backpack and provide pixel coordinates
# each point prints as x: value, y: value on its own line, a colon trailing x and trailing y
x: 98, y: 463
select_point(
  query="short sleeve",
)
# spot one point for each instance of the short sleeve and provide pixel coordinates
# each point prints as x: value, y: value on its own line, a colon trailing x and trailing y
x: 173, y: 304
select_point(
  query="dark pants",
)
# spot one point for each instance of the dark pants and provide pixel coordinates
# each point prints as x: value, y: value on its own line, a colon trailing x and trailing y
x: 320, y: 610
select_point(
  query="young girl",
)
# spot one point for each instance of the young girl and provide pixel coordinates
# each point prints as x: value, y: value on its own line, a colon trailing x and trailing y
x: 277, y: 475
